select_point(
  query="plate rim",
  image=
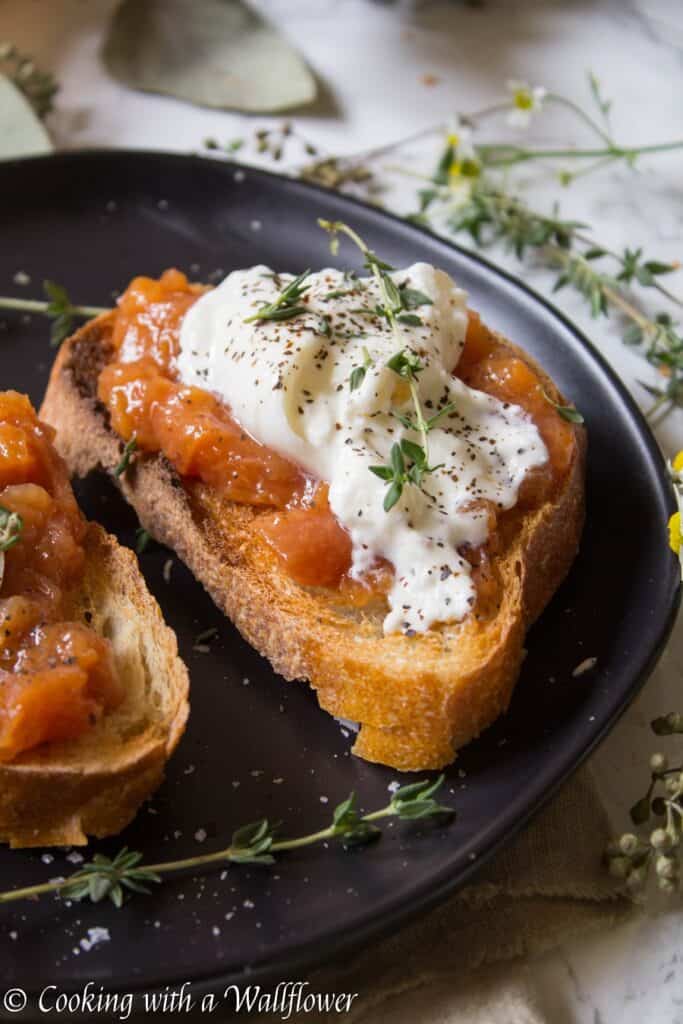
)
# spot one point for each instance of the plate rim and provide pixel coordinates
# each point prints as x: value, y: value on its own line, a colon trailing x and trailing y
x: 434, y: 890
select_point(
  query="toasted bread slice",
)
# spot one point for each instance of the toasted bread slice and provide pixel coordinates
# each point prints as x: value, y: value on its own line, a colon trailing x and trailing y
x: 58, y: 794
x: 417, y: 699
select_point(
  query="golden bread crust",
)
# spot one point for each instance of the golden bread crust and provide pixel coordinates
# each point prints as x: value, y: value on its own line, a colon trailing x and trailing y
x: 61, y: 793
x: 417, y: 699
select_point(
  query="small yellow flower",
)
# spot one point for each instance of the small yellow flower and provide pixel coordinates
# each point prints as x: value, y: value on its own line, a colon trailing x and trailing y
x: 453, y: 139
x: 678, y: 462
x: 675, y: 538
x: 455, y: 169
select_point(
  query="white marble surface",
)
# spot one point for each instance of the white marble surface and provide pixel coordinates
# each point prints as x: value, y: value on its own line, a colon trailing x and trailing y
x: 372, y: 57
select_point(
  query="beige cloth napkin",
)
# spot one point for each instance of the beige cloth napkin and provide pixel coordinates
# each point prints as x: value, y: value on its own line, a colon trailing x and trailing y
x: 452, y: 965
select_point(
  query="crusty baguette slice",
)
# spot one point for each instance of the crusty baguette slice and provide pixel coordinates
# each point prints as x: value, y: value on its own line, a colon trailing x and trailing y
x: 60, y: 793
x: 417, y: 699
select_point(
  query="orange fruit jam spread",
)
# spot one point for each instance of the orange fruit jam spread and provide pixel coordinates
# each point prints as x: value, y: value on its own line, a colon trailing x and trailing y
x: 56, y: 677
x: 198, y: 435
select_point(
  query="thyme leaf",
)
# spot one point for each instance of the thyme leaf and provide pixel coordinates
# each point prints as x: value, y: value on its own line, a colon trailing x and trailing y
x: 567, y: 412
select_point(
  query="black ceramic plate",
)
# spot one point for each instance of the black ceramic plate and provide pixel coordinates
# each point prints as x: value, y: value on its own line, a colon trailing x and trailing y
x: 93, y: 220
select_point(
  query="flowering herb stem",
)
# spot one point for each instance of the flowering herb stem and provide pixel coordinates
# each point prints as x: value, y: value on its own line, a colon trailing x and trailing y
x: 470, y: 185
x: 127, y: 874
x: 504, y: 155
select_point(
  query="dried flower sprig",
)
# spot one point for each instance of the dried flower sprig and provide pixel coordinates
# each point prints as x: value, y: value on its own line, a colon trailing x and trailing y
x: 58, y: 308
x: 466, y: 194
x: 256, y: 843
x: 39, y: 87
x: 632, y: 856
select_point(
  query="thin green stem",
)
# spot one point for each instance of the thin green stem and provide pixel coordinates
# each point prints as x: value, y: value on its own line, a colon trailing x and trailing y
x: 512, y: 155
x: 562, y: 101
x: 38, y: 306
x: 31, y: 890
x: 384, y: 812
x: 591, y: 168
x: 436, y: 129
x: 420, y: 420
x: 296, y: 844
x: 656, y: 406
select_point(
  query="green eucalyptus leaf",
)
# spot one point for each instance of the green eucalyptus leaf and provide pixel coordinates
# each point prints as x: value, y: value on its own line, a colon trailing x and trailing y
x: 21, y: 131
x: 216, y: 53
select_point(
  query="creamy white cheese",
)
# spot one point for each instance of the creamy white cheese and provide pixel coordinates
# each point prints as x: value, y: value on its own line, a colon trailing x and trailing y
x: 288, y: 384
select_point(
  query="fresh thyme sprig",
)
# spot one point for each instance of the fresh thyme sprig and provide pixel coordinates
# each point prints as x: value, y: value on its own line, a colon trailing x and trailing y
x: 11, y: 526
x: 39, y: 87
x: 399, y: 472
x: 398, y: 301
x: 408, y: 366
x: 59, y: 308
x: 286, y: 305
x: 396, y: 306
x: 129, y: 449
x: 255, y: 843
